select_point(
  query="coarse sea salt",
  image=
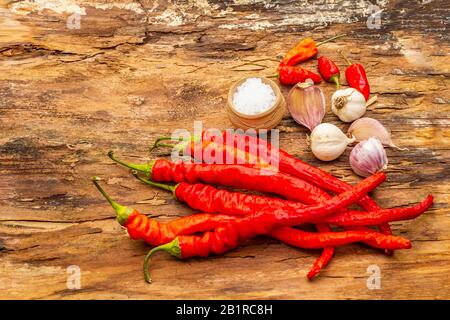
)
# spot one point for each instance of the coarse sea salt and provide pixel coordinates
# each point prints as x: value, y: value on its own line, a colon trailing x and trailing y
x: 253, y: 97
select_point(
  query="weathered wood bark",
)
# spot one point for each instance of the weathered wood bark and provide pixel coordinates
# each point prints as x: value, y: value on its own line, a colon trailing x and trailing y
x: 135, y: 70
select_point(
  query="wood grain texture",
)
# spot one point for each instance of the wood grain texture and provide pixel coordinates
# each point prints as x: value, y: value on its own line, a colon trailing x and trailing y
x: 136, y: 70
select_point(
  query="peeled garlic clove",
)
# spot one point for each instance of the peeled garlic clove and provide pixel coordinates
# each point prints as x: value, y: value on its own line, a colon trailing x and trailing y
x: 368, y: 157
x: 348, y: 104
x: 306, y: 104
x: 365, y: 128
x: 328, y: 142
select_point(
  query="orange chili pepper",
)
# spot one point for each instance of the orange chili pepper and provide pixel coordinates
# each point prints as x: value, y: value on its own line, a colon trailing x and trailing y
x: 305, y: 49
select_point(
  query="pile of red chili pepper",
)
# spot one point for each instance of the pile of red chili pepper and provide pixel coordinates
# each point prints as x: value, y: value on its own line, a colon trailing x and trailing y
x: 289, y: 73
x: 300, y: 195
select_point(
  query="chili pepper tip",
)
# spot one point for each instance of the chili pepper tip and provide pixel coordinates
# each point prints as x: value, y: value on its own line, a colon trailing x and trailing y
x: 312, y: 274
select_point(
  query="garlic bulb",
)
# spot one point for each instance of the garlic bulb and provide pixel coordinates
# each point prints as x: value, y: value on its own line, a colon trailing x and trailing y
x: 348, y: 104
x: 365, y: 128
x: 306, y: 104
x: 368, y: 157
x: 328, y: 142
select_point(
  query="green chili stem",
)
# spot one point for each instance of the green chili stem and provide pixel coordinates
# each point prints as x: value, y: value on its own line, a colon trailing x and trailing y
x: 163, y: 138
x: 158, y: 143
x: 163, y: 186
x: 276, y: 75
x: 155, y: 145
x: 147, y: 168
x: 114, y: 204
x: 167, y: 145
x: 335, y: 79
x: 330, y: 39
x: 345, y: 58
x: 122, y: 212
x: 172, y: 247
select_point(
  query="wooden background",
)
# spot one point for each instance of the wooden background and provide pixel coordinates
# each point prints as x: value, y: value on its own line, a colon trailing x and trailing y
x: 135, y: 70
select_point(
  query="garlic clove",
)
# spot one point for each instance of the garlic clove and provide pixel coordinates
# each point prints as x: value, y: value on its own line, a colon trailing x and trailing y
x: 306, y: 104
x: 328, y: 142
x: 348, y: 104
x: 368, y: 157
x: 365, y: 128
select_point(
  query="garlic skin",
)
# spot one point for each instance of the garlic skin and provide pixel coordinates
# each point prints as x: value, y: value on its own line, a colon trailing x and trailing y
x: 348, y: 104
x: 328, y: 142
x: 306, y: 104
x: 365, y: 128
x: 368, y: 157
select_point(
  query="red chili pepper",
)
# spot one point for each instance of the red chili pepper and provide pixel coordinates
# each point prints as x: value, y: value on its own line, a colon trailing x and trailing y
x: 358, y: 218
x: 305, y: 49
x: 155, y: 233
x: 235, y: 231
x: 356, y: 77
x: 325, y: 257
x: 292, y: 75
x: 311, y: 240
x: 329, y: 70
x: 238, y: 176
x: 207, y: 198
